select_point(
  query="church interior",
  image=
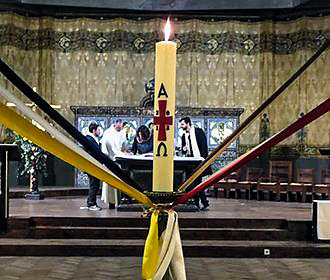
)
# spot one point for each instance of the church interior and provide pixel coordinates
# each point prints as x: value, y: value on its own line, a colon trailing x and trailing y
x: 124, y: 155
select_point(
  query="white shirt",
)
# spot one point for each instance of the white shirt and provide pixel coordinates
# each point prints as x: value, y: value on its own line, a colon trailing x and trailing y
x: 195, y: 150
x: 113, y: 142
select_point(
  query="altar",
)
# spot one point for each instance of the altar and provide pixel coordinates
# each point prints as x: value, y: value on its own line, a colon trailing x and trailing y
x: 139, y: 168
x: 217, y: 123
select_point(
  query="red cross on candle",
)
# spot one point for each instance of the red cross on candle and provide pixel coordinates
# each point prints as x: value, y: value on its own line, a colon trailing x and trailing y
x: 162, y: 120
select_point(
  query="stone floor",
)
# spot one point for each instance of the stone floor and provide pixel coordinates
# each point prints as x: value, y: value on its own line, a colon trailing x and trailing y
x: 108, y: 268
x: 124, y: 268
x: 219, y: 208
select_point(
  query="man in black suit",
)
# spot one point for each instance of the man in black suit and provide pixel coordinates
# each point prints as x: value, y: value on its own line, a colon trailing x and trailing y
x: 94, y: 183
x: 194, y: 144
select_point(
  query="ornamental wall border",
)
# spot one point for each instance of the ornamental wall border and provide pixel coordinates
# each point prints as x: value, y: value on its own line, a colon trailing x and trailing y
x: 139, y: 111
x: 227, y: 41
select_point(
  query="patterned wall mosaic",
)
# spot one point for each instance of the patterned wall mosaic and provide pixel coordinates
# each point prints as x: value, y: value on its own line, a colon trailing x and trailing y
x: 121, y: 40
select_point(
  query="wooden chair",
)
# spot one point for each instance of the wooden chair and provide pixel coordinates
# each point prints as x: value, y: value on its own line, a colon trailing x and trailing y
x: 306, y: 175
x: 253, y: 174
x: 227, y: 185
x: 305, y: 183
x: 268, y: 185
x: 325, y: 177
x: 323, y: 189
x: 217, y: 187
x: 282, y: 170
x: 280, y: 175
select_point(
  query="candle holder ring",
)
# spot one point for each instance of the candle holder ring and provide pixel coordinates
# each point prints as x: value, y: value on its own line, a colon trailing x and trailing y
x: 164, y: 198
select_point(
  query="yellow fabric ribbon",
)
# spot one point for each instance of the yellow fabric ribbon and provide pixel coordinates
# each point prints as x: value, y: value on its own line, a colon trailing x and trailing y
x: 163, y: 254
x: 151, y: 249
x: 12, y: 120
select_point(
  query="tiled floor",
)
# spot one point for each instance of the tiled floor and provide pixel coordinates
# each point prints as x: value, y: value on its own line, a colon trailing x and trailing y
x: 96, y: 268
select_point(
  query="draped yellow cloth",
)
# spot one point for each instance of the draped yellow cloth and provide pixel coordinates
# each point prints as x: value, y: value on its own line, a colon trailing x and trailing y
x: 151, y: 249
x: 164, y: 254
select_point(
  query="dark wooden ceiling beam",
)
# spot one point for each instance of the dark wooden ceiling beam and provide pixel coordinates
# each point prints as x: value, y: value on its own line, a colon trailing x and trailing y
x: 251, y: 10
x: 170, y: 5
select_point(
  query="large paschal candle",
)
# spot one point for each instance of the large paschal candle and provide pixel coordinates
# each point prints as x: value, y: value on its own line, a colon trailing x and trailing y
x: 164, y: 110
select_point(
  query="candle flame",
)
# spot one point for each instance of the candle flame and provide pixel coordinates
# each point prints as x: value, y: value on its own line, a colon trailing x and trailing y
x: 167, y: 30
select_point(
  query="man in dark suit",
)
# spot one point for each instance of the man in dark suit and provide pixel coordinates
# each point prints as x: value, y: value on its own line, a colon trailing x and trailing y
x: 194, y: 144
x: 94, y: 183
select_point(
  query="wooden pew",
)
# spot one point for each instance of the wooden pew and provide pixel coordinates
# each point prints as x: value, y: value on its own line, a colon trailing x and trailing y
x: 232, y: 183
x: 323, y: 189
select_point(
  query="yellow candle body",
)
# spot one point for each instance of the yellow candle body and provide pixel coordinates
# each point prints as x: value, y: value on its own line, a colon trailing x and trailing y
x: 164, y: 122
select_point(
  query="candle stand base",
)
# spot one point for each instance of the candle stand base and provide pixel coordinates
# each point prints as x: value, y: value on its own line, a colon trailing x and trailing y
x: 163, y: 197
x: 169, y: 197
x: 158, y: 198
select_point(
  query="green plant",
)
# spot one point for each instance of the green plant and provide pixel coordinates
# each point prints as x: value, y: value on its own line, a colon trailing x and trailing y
x: 34, y: 159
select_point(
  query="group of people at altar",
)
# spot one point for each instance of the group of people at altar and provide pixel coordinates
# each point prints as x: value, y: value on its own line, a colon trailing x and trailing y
x: 114, y: 142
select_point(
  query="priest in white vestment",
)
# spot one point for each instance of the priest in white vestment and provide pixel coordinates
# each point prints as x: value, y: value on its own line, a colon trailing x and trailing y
x: 114, y: 143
